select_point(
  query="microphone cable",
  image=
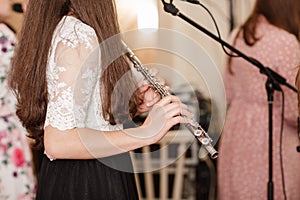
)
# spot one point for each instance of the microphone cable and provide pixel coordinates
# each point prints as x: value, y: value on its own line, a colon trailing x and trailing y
x: 280, y: 147
x: 215, y: 24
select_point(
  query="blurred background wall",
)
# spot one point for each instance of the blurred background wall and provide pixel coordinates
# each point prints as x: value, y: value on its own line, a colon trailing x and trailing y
x: 139, y: 14
x: 132, y: 11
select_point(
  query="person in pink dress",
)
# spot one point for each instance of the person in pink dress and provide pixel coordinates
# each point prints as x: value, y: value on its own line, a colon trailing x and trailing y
x: 270, y: 35
x: 16, y: 177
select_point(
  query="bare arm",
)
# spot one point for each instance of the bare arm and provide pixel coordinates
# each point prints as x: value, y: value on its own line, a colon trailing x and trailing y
x: 84, y: 143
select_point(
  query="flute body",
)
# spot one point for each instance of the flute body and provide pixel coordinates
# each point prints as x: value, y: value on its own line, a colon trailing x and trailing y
x: 193, y: 126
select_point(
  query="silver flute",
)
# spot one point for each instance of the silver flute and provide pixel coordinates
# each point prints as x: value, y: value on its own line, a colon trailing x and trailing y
x: 193, y: 126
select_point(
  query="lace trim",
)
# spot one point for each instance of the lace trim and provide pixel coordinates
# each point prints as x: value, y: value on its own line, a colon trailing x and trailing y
x: 76, y: 32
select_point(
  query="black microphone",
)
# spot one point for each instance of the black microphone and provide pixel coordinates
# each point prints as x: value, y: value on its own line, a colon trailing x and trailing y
x: 17, y: 7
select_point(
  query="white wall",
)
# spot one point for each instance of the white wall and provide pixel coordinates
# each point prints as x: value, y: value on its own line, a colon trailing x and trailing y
x: 219, y: 9
x: 242, y: 9
x: 200, y: 16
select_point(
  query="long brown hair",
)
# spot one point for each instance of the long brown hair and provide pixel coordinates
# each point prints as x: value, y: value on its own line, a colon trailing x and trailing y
x: 28, y: 74
x: 284, y: 14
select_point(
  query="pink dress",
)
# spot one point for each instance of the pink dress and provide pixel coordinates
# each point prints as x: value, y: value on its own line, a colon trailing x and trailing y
x: 16, y: 177
x: 243, y: 160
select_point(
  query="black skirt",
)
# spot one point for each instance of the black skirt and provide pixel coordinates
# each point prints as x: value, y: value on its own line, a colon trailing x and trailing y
x: 87, y: 179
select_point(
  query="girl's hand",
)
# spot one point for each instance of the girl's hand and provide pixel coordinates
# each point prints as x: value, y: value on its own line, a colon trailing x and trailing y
x: 168, y: 112
x: 148, y: 96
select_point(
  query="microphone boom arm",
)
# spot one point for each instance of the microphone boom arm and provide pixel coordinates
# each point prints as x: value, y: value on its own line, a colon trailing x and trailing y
x: 274, y: 76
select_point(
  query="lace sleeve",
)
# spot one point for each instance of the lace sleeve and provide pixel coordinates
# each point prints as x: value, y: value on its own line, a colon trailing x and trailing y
x: 72, y: 78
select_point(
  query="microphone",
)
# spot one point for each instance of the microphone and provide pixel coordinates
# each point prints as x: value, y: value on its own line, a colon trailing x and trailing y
x: 17, y: 7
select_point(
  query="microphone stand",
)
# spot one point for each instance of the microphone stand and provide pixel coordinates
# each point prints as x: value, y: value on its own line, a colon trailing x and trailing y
x: 274, y: 80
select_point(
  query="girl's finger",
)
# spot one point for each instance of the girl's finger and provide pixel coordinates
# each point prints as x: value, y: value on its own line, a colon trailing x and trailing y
x: 168, y: 99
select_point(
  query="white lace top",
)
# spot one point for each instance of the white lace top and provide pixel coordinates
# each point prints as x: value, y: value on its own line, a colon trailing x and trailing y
x: 73, y: 74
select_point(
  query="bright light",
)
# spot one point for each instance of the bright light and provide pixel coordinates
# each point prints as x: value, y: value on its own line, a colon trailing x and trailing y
x: 147, y: 16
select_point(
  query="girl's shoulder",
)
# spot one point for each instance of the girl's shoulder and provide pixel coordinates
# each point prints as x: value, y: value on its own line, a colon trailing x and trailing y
x: 72, y: 32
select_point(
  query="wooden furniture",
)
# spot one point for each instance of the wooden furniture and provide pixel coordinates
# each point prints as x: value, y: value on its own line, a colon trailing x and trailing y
x: 166, y: 170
